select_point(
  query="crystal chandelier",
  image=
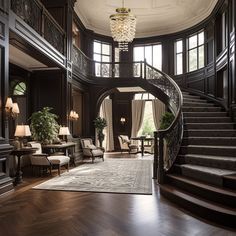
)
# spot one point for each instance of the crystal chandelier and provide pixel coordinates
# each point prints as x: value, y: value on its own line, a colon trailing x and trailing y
x: 123, y: 25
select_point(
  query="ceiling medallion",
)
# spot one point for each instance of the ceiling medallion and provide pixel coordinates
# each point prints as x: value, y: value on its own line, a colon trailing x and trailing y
x: 123, y: 26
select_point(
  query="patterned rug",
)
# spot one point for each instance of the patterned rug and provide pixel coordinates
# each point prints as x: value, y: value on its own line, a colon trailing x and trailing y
x: 110, y: 176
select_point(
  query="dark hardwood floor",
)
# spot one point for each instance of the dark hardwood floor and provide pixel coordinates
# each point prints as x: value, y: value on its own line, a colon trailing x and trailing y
x: 56, y: 213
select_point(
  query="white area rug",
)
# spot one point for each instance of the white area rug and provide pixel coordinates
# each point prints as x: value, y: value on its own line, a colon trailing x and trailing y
x: 111, y: 176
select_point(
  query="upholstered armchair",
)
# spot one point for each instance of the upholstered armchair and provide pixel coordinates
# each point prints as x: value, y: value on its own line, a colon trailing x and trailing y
x: 39, y: 159
x: 125, y: 144
x: 90, y: 150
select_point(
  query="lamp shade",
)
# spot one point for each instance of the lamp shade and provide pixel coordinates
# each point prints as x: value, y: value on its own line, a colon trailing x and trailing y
x: 15, y: 108
x: 64, y: 131
x: 22, y: 131
x: 9, y: 103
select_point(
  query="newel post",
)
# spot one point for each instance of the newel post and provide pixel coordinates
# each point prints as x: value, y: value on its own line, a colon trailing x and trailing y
x: 155, y: 162
x: 161, y: 160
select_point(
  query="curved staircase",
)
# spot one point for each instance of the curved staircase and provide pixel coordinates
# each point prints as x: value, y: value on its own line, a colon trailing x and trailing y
x: 203, y: 177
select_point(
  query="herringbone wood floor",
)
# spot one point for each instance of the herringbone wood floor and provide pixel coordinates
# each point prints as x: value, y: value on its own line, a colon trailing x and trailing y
x: 56, y: 213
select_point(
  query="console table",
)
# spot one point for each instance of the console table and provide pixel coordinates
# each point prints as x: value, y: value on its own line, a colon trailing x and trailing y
x: 62, y: 147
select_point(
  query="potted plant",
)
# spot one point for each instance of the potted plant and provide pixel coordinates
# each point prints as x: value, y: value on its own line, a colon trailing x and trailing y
x: 44, y: 126
x: 166, y: 121
x: 100, y: 124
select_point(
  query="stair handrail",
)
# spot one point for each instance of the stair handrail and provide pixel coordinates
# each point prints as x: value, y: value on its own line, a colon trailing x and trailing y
x: 171, y: 138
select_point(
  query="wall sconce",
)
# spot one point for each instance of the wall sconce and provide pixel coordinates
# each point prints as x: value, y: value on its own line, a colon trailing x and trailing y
x: 122, y: 120
x: 73, y: 115
x: 12, y: 108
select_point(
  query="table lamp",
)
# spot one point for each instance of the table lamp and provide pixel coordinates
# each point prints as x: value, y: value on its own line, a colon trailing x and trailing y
x: 21, y: 132
x: 64, y: 131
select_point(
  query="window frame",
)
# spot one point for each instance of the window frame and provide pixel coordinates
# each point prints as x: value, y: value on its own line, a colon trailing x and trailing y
x: 197, y: 48
x: 152, y: 46
x: 98, y: 71
x: 176, y: 54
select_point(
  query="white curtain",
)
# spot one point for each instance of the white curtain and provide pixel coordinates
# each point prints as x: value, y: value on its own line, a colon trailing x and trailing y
x: 158, y: 109
x: 137, y: 116
x: 106, y: 113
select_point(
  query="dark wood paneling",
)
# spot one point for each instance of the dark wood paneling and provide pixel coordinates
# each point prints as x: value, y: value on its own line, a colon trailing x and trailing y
x: 48, y: 89
x: 77, y: 105
x: 211, y: 85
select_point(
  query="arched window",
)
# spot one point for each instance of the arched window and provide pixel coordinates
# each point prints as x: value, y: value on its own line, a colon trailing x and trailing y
x: 18, y: 88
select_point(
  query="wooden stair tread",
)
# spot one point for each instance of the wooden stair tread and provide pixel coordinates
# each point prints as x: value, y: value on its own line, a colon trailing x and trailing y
x: 210, y: 157
x: 210, y: 130
x: 204, y: 185
x: 211, y: 146
x: 232, y: 177
x: 209, y: 123
x: 193, y: 199
x: 209, y: 170
x: 206, y: 137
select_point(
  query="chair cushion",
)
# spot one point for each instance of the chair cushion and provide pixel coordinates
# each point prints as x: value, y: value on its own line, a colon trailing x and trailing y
x: 97, y: 152
x: 59, y: 160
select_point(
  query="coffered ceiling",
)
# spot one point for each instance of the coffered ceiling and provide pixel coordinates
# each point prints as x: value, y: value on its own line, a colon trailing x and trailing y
x: 154, y: 17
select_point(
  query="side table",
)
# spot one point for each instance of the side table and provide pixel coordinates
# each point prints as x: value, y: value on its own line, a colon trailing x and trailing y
x: 19, y: 153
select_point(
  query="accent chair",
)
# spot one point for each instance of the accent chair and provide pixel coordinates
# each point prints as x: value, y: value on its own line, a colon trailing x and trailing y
x: 125, y: 144
x: 90, y: 150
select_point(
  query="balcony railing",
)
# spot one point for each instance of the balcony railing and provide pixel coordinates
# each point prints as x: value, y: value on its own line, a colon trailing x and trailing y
x: 37, y: 17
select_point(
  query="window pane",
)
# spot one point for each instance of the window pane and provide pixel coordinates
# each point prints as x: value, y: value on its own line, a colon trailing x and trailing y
x: 145, y: 96
x: 179, y: 64
x: 20, y: 89
x: 148, y: 126
x: 201, y: 38
x: 193, y: 59
x: 151, y: 96
x: 179, y: 46
x: 106, y: 49
x: 138, y: 96
x: 105, y: 58
x: 117, y: 55
x: 97, y: 57
x: 148, y: 54
x: 201, y: 57
x: 96, y: 47
x: 157, y: 56
x: 139, y: 54
x: 192, y: 41
x: 97, y: 69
